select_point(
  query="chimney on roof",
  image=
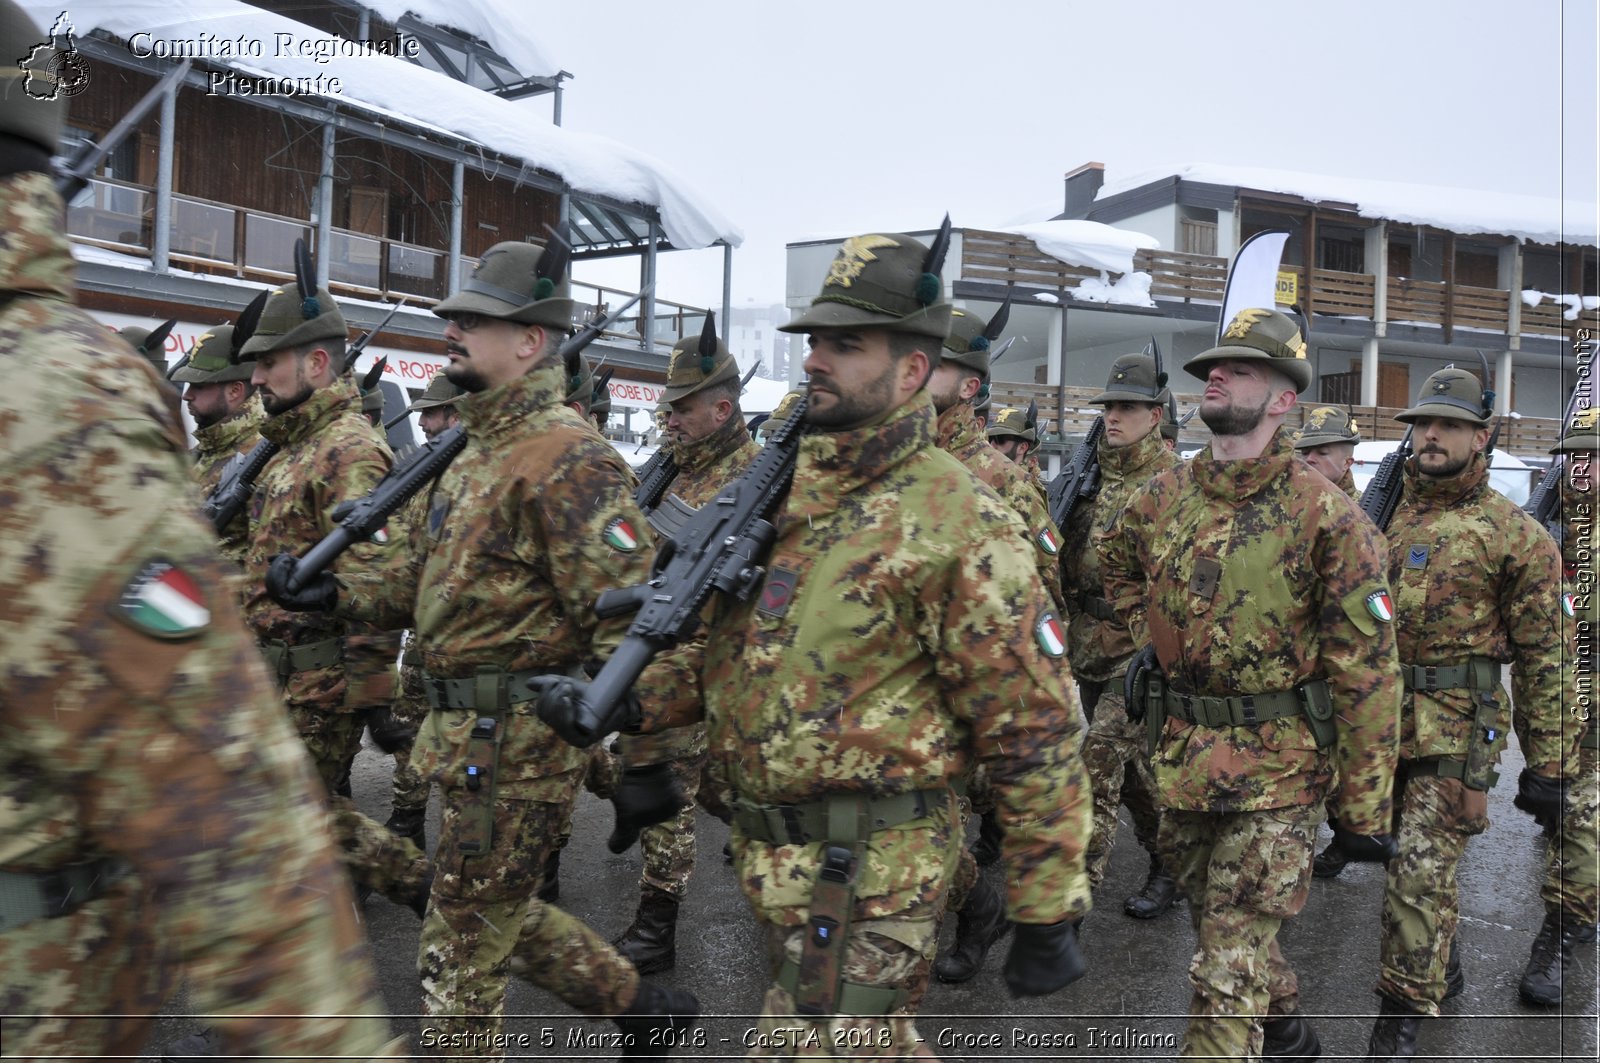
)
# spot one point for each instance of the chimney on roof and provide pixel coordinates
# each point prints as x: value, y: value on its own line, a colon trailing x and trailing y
x: 1083, y: 184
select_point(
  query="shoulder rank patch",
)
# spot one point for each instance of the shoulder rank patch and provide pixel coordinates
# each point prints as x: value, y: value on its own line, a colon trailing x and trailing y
x: 1417, y: 556
x: 619, y: 534
x: 778, y: 593
x: 381, y: 536
x: 1569, y: 605
x: 1047, y: 542
x: 163, y: 601
x: 1380, y: 605
x: 1052, y: 639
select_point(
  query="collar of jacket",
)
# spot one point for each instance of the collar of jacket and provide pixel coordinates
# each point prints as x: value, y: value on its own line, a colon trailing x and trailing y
x: 956, y: 427
x: 833, y: 464
x: 229, y: 433
x: 1121, y: 463
x: 1235, y: 481
x: 35, y: 257
x: 1429, y: 493
x: 506, y: 409
x: 703, y: 453
x: 313, y: 415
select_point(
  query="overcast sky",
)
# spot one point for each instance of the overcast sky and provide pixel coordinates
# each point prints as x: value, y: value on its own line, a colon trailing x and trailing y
x: 801, y: 120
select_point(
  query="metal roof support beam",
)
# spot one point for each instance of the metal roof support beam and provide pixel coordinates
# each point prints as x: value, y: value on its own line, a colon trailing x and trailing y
x: 727, y: 291
x: 647, y: 279
x: 458, y: 193
x: 322, y: 216
x: 161, y: 239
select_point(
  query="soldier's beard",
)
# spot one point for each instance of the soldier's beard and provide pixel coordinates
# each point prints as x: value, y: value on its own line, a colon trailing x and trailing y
x: 852, y: 410
x: 1233, y: 419
x: 275, y: 404
x: 1448, y: 469
x: 465, y: 377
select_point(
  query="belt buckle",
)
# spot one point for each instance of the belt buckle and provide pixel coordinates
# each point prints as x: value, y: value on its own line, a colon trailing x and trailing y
x: 1430, y: 677
x: 793, y: 829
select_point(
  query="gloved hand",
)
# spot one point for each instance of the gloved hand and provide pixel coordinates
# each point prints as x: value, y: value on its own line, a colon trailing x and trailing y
x: 1365, y: 848
x: 320, y: 594
x: 560, y: 706
x: 1043, y: 959
x: 1543, y: 798
x: 645, y: 796
x: 1134, y: 683
x: 388, y: 731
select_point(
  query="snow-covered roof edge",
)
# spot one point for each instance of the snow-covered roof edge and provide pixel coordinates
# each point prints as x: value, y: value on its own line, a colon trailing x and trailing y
x: 507, y: 26
x: 1466, y: 211
x: 395, y: 89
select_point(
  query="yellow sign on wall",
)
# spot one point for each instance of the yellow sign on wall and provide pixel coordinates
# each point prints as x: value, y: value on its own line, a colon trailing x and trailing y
x: 1288, y: 292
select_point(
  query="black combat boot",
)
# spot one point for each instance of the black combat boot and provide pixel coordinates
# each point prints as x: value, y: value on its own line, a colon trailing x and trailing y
x: 409, y: 823
x: 550, y: 882
x: 1290, y: 1037
x: 1160, y: 890
x: 1455, y: 982
x: 979, y: 924
x: 1394, y: 1035
x: 1329, y: 862
x: 650, y: 944
x: 1552, y: 949
x: 658, y: 1018
x: 987, y: 848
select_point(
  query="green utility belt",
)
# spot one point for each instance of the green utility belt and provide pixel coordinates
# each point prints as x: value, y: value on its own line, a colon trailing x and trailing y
x: 285, y: 660
x: 823, y: 820
x: 1448, y: 768
x: 1240, y: 710
x: 463, y: 693
x: 1478, y: 673
x: 29, y: 895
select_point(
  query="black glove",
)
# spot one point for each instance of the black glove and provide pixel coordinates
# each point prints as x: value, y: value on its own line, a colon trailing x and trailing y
x: 389, y: 732
x: 645, y: 796
x: 559, y: 704
x: 1366, y: 848
x: 1542, y: 798
x: 1134, y: 683
x: 319, y: 595
x: 1043, y: 959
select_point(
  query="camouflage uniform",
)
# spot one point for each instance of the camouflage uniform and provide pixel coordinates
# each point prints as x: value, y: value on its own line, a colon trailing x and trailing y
x: 143, y: 756
x: 1477, y: 585
x: 330, y: 454
x: 1114, y: 751
x: 1255, y: 577
x: 523, y: 531
x: 218, y: 444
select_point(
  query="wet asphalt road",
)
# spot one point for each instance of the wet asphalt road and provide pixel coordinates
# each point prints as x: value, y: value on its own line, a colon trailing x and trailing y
x: 1132, y: 1003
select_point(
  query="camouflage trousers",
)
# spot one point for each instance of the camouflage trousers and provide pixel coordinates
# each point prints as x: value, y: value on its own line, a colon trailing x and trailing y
x: 484, y: 922
x: 410, y: 787
x: 1569, y: 881
x: 1421, y: 905
x: 333, y: 738
x: 599, y: 778
x: 1119, y: 774
x: 668, y: 847
x: 374, y: 855
x: 892, y: 953
x: 1243, y: 873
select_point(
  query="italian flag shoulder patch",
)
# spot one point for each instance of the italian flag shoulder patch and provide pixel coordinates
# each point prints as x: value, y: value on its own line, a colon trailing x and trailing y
x: 1052, y: 638
x: 619, y: 534
x: 1380, y: 605
x: 163, y: 601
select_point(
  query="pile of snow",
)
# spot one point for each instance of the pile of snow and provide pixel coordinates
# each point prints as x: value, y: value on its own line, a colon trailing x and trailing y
x: 1130, y: 289
x: 1575, y: 303
x: 1089, y: 244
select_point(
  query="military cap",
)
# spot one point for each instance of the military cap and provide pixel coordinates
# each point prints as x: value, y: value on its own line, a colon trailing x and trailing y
x: 1582, y: 434
x: 33, y: 105
x: 883, y: 280
x: 1133, y: 378
x: 1013, y: 422
x: 289, y: 320
x: 1169, y: 428
x: 152, y: 343
x: 785, y: 407
x: 1449, y: 393
x: 971, y: 338
x: 1257, y: 335
x: 211, y: 361
x: 580, y: 385
x: 518, y: 281
x: 1325, y: 425
x: 699, y: 362
x: 439, y: 392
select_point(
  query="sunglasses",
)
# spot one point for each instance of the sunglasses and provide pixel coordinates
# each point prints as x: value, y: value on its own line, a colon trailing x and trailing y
x: 466, y: 320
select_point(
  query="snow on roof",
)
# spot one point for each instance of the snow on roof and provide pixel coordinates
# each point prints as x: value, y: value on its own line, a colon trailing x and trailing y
x: 507, y: 26
x: 401, y: 90
x: 1458, y: 210
x: 1087, y: 243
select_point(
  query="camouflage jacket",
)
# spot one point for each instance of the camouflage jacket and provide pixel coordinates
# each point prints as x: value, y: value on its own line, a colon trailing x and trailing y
x: 1099, y: 648
x: 1580, y: 612
x: 902, y: 635
x: 136, y: 720
x: 330, y: 454
x: 1347, y: 484
x: 1474, y: 576
x: 217, y: 445
x: 523, y: 532
x: 958, y: 432
x: 1252, y: 577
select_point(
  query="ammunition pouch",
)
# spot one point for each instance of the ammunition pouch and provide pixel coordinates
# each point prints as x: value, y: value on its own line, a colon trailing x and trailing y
x: 29, y: 895
x: 1311, y: 700
x: 1480, y: 676
x: 284, y: 660
x: 843, y: 822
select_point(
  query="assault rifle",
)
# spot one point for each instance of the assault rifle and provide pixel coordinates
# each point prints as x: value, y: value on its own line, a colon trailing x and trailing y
x: 720, y: 547
x: 362, y: 518
x: 1080, y: 480
x: 1382, y: 495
